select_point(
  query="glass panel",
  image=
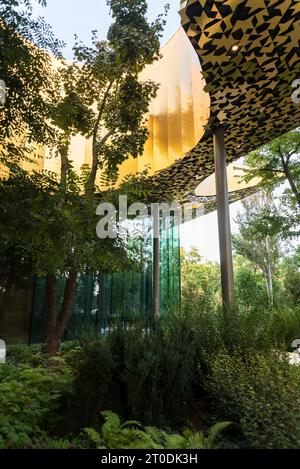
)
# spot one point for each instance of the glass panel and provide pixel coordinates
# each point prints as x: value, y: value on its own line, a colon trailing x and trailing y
x: 104, y: 300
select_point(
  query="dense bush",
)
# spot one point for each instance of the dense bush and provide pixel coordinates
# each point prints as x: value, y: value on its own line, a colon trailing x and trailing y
x: 140, y: 375
x: 188, y: 363
x: 260, y: 391
x: 154, y: 377
x: 292, y: 284
x: 250, y: 287
x: 31, y: 355
x: 200, y: 283
x: 30, y: 399
x: 286, y: 325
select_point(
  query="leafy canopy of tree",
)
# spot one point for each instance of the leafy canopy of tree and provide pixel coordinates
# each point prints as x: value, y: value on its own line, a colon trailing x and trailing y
x: 278, y: 164
x: 105, y: 79
x: 26, y: 68
x: 258, y: 240
x: 54, y: 236
x: 53, y: 226
x: 290, y: 271
x: 200, y: 281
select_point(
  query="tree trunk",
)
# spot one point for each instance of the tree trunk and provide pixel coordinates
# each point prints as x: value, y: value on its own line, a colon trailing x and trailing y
x: 293, y: 186
x: 51, y: 305
x: 68, y: 302
x: 90, y: 185
x: 269, y: 273
x: 56, y: 325
x: 63, y: 151
x: 286, y: 169
x: 269, y: 281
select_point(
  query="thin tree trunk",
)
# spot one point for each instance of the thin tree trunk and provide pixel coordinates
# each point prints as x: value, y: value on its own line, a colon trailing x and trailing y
x: 269, y: 273
x: 51, y: 313
x: 270, y: 285
x: 292, y: 185
x: 63, y: 151
x: 68, y: 303
x: 286, y: 169
x: 90, y: 186
x: 56, y: 325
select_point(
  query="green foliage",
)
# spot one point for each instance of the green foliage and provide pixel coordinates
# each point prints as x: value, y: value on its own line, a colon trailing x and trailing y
x: 277, y: 163
x: 50, y: 443
x: 27, y: 71
x: 30, y: 398
x: 153, y: 378
x: 292, y: 285
x: 261, y: 392
x: 286, y: 325
x: 141, y: 375
x: 106, y: 80
x: 127, y: 34
x: 290, y: 274
x: 48, y: 225
x: 52, y: 230
x: 267, y: 162
x: 71, y: 116
x: 259, y: 240
x: 200, y: 282
x: 250, y: 288
x: 31, y: 355
x: 132, y: 435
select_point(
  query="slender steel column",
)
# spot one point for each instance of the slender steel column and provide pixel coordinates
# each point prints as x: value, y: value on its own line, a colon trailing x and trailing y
x: 225, y: 239
x: 156, y: 261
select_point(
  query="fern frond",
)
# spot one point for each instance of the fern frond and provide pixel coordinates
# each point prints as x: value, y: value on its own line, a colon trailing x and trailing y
x: 175, y: 442
x: 112, y: 423
x: 198, y: 441
x: 216, y: 429
x: 94, y: 436
x: 131, y: 423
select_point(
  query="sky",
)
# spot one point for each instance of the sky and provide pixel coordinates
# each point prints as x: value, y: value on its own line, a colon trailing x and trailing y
x: 70, y: 17
x: 80, y: 17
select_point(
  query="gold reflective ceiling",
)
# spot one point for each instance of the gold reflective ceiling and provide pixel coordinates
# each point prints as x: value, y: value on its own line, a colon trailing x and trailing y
x: 250, y: 89
x: 178, y: 115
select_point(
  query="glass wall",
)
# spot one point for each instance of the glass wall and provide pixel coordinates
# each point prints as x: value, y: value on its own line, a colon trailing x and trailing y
x: 104, y: 300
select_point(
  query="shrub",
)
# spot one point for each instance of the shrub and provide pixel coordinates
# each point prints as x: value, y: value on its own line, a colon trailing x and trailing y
x: 250, y: 288
x: 28, y: 355
x: 148, y: 377
x: 286, y: 325
x: 292, y: 284
x: 260, y: 391
x: 132, y: 435
x: 246, y: 328
x: 30, y: 398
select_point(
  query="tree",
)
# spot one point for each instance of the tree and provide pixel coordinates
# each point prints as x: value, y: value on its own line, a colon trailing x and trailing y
x: 55, y: 239
x: 26, y: 68
x: 200, y: 282
x: 291, y: 276
x: 106, y: 78
x: 250, y: 285
x: 259, y: 241
x: 278, y: 164
x: 102, y: 98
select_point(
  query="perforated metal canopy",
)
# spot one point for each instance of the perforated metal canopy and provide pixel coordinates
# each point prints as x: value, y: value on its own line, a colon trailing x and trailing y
x: 249, y: 53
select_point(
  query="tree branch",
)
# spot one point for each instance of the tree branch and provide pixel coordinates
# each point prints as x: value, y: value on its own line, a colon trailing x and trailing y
x: 289, y: 176
x: 93, y: 174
